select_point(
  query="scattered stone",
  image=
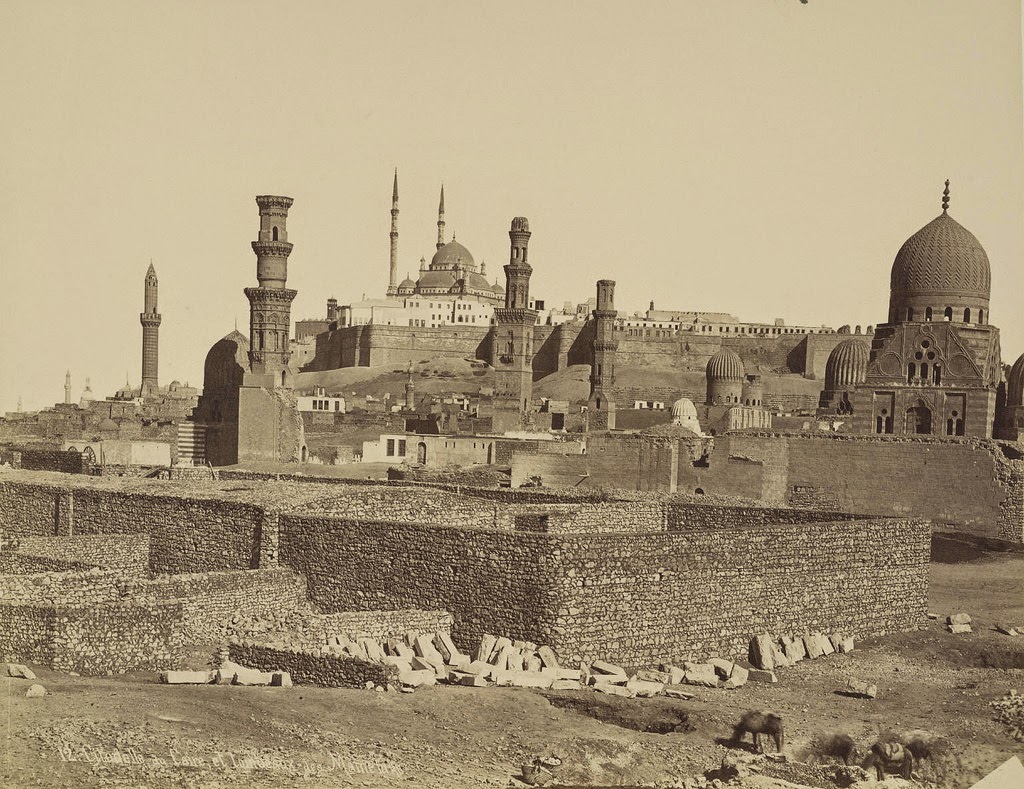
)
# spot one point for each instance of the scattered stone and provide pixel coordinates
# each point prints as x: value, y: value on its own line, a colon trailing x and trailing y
x: 762, y: 652
x: 959, y: 628
x: 35, y: 691
x: 415, y: 678
x: 723, y: 668
x: 472, y: 680
x: 487, y: 642
x: 566, y: 684
x: 739, y: 675
x: 648, y: 675
x: 700, y: 674
x: 757, y: 675
x: 20, y: 671
x: 958, y: 619
x: 603, y: 667
x: 613, y: 690
x: 547, y: 657
x: 249, y: 676
x: 1006, y: 630
x: 859, y: 688
x: 187, y: 677
x: 643, y: 688
x: 479, y: 668
x: 677, y: 675
x: 282, y: 679
x: 676, y: 693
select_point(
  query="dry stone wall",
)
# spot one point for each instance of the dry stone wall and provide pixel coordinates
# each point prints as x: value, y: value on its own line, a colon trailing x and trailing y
x: 127, y: 553
x: 307, y: 668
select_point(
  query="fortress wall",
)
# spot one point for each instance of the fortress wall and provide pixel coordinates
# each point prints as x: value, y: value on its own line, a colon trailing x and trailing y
x: 612, y: 596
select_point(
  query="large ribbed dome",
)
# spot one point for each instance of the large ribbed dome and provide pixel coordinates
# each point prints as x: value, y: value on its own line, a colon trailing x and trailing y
x: 847, y: 365
x: 941, y: 263
x: 451, y: 254
x: 683, y: 409
x: 725, y: 365
x: 1015, y: 384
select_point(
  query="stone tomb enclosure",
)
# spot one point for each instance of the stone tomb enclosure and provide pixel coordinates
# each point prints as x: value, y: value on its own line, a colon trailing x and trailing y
x: 635, y: 579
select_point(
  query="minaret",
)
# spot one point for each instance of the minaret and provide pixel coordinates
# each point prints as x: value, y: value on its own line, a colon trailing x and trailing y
x: 270, y: 304
x: 512, y: 346
x: 393, y: 280
x: 600, y: 409
x: 410, y: 391
x: 67, y: 388
x: 150, y: 320
x: 440, y: 220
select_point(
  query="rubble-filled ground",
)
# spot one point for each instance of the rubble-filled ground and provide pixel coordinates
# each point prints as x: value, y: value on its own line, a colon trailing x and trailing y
x: 132, y: 731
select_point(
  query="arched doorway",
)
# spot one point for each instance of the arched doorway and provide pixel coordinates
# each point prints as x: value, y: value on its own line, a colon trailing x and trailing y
x: 421, y: 453
x: 919, y: 419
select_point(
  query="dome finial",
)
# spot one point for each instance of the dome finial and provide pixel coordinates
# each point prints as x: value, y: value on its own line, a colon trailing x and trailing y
x: 945, y: 197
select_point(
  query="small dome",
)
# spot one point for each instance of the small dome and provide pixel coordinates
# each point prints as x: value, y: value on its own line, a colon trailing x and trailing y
x: 847, y: 365
x: 1015, y: 383
x: 941, y: 265
x: 725, y: 365
x: 498, y: 287
x: 407, y: 284
x: 683, y: 409
x: 451, y: 254
x: 475, y: 281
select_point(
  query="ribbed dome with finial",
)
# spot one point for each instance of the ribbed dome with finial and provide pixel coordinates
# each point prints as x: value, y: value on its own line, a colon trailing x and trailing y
x: 725, y: 365
x: 1015, y: 383
x: 847, y: 365
x: 942, y: 264
x: 451, y: 254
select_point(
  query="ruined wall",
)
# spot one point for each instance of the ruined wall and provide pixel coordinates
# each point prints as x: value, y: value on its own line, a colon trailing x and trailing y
x: 307, y: 668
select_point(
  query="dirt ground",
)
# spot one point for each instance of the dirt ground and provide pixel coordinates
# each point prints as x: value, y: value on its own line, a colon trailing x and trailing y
x: 131, y: 731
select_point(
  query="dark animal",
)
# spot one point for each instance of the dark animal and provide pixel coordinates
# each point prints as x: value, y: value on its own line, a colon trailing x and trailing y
x: 759, y: 723
x: 890, y: 756
x: 839, y: 746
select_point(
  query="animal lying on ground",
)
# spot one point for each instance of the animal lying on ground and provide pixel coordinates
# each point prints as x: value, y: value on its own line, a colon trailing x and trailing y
x: 759, y: 723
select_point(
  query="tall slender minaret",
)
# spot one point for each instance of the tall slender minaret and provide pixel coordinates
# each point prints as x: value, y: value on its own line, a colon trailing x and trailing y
x: 600, y: 408
x: 410, y: 391
x: 150, y: 320
x: 440, y: 220
x: 67, y: 387
x: 512, y: 346
x: 393, y: 280
x: 270, y: 304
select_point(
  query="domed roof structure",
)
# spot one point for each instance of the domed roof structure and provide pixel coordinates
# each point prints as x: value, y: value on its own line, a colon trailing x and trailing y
x: 226, y: 362
x: 683, y: 409
x: 725, y: 365
x: 1015, y: 383
x: 943, y: 257
x: 476, y: 281
x: 451, y: 254
x: 436, y: 279
x: 847, y: 365
x: 407, y: 284
x: 497, y: 287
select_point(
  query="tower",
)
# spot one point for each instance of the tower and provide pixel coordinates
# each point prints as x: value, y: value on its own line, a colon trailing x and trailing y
x: 600, y: 408
x: 393, y: 277
x: 150, y: 320
x: 512, y: 350
x: 440, y: 220
x: 410, y: 391
x: 270, y: 303
x: 67, y: 388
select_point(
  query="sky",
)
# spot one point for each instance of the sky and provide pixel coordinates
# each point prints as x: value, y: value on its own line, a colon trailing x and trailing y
x: 765, y: 158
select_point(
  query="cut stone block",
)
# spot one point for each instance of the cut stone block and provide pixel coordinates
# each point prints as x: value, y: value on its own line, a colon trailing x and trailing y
x: 762, y: 651
x: 529, y: 679
x: 757, y: 675
x: 739, y: 675
x: 250, y: 676
x: 862, y: 689
x: 281, y: 679
x: 780, y: 656
x: 515, y: 660
x: 1006, y: 630
x: 548, y: 671
x: 649, y: 675
x: 501, y: 656
x: 187, y: 677
x: 958, y: 619
x: 700, y: 674
x: 480, y: 668
x: 459, y: 661
x: 613, y: 690
x: 959, y: 628
x: 20, y: 671
x: 472, y: 681
x: 425, y: 648
x: 568, y: 673
x: 677, y: 675
x: 547, y: 657
x: 499, y: 645
x: 723, y: 667
x: 401, y: 663
x: 533, y: 663
x: 404, y: 650
x: 410, y: 637
x: 603, y: 667
x: 445, y: 646
x: 846, y: 645
x: 677, y: 693
x: 566, y: 684
x: 35, y: 691
x: 223, y: 677
x: 372, y: 649
x: 813, y: 646
x: 417, y: 677
x: 487, y: 642
x: 644, y: 689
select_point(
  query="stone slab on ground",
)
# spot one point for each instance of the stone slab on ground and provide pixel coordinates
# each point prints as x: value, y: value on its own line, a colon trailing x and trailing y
x: 487, y: 642
x: 958, y: 619
x: 250, y: 676
x: 858, y: 688
x: 613, y: 690
x: 700, y: 674
x: 547, y: 657
x: 20, y: 671
x: 281, y: 679
x: 649, y: 675
x: 188, y: 677
x: 480, y: 668
x: 35, y: 691
x: 643, y: 688
x: 566, y: 684
x: 757, y: 675
x: 762, y: 651
x: 417, y: 677
x: 959, y: 628
x: 678, y: 693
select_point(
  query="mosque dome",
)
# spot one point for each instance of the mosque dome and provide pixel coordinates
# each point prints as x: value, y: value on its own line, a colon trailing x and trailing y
x: 226, y: 362
x: 476, y: 281
x: 941, y: 270
x: 725, y: 365
x: 451, y: 254
x: 1015, y: 383
x: 847, y: 365
x: 497, y: 287
x: 436, y: 279
x: 684, y: 413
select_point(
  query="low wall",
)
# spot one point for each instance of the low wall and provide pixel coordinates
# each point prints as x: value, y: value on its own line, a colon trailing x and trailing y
x: 612, y: 596
x: 306, y: 668
x: 127, y: 553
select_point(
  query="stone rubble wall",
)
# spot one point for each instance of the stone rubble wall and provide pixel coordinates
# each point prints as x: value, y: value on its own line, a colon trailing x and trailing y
x: 28, y: 510
x: 127, y: 553
x: 26, y: 633
x: 307, y: 668
x: 611, y: 596
x: 82, y: 587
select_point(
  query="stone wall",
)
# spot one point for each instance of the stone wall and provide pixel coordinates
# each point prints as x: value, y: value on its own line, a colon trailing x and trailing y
x: 127, y: 553
x: 606, y: 595
x: 307, y: 668
x: 28, y: 510
x: 43, y: 459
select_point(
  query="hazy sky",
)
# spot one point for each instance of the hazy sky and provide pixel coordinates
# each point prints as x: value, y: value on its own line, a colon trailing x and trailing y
x: 765, y: 158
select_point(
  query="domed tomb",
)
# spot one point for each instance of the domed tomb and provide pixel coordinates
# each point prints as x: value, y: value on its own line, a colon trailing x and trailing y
x: 724, y: 378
